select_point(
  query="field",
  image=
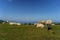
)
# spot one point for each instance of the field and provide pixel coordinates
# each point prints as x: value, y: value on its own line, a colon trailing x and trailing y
x: 28, y: 32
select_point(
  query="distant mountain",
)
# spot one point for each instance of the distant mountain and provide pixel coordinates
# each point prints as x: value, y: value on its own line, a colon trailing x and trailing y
x: 24, y: 21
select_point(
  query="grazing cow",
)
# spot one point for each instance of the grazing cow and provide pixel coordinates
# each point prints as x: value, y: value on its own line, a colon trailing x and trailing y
x: 40, y: 25
x: 52, y: 24
x: 48, y: 24
x: 13, y: 23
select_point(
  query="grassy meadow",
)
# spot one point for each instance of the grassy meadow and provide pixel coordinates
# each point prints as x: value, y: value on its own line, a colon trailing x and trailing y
x: 28, y: 32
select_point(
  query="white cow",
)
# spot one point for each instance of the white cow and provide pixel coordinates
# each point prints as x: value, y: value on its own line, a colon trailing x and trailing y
x: 48, y: 22
x: 13, y: 23
x: 18, y: 23
x: 40, y: 25
x: 52, y: 24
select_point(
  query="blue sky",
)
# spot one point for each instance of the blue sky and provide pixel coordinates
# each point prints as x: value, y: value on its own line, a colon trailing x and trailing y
x: 30, y: 10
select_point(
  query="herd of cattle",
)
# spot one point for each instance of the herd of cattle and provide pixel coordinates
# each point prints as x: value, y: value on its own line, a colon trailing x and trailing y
x: 43, y: 23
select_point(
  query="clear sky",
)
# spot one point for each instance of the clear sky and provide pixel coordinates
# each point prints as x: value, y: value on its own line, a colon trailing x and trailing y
x: 30, y: 10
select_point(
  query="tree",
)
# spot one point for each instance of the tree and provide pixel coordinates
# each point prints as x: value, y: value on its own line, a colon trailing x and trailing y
x: 29, y: 23
x: 1, y: 21
x: 25, y: 23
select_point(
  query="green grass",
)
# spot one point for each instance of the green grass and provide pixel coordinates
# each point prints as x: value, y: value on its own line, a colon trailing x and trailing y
x: 28, y: 32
